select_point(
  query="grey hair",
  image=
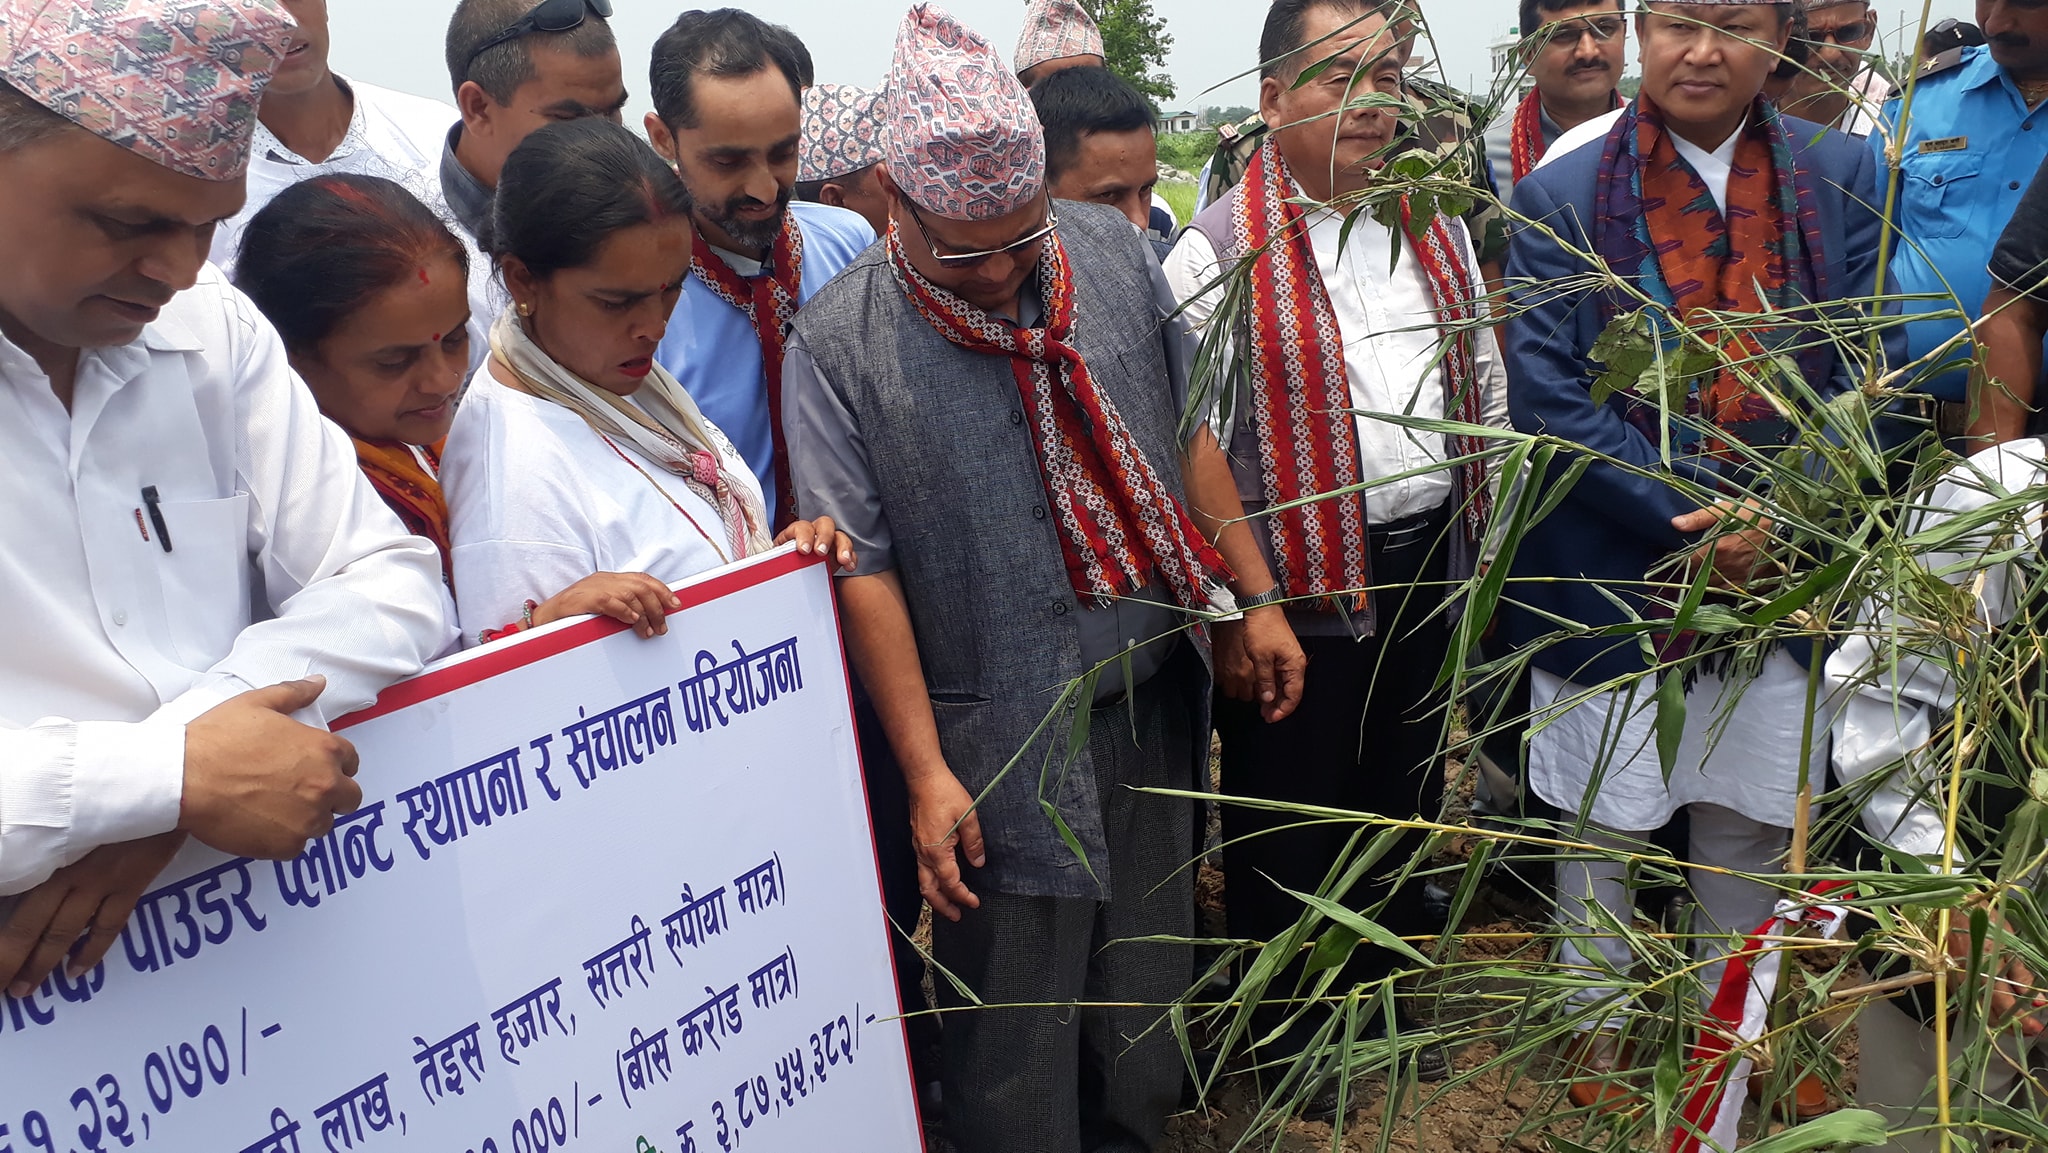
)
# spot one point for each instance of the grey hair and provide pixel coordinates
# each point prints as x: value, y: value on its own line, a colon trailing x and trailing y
x: 501, y: 71
x: 24, y: 122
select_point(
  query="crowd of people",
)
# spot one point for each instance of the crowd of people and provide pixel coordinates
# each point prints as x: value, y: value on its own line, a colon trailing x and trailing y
x: 943, y: 333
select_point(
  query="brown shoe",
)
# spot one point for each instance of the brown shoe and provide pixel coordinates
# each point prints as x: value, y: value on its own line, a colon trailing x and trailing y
x: 1594, y: 1061
x: 1809, y: 1098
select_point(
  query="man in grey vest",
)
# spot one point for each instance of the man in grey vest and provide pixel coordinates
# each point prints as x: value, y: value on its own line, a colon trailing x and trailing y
x: 1034, y: 533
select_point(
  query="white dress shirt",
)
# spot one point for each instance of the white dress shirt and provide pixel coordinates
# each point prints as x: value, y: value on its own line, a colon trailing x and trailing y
x: 538, y: 500
x: 391, y: 134
x: 282, y: 562
x: 1388, y: 320
x: 1895, y: 680
x: 1713, y: 167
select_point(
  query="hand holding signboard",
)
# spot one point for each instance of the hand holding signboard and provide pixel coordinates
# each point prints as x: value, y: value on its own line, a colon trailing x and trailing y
x: 89, y: 899
x: 260, y: 784
x: 257, y: 783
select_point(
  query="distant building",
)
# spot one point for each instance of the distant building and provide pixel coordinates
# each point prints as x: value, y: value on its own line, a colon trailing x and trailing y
x: 1177, y: 122
x: 1507, y: 61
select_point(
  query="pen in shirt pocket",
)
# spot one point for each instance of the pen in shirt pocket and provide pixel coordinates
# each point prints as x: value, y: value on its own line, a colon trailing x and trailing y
x: 154, y: 503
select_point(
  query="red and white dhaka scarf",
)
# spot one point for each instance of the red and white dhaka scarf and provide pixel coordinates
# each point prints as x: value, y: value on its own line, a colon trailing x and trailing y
x: 1301, y: 393
x: 770, y: 302
x: 1118, y: 521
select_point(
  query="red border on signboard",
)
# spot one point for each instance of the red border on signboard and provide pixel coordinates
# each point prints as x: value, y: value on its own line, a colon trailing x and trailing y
x: 520, y: 651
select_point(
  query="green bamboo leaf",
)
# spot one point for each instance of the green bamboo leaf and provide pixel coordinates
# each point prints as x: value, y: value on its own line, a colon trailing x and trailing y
x: 1695, y: 593
x: 1980, y: 926
x: 1785, y: 604
x: 1332, y: 949
x: 1067, y: 837
x: 1368, y: 929
x: 1670, y: 720
x: 1670, y: 1066
x: 1846, y: 1127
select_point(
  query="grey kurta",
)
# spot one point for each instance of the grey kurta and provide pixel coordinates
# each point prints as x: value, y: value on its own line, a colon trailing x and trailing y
x: 835, y: 479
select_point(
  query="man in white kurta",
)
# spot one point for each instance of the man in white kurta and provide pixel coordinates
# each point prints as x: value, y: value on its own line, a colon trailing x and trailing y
x: 182, y: 533
x: 1897, y: 685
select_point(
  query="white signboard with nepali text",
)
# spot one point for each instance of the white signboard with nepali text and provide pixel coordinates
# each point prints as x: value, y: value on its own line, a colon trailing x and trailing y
x: 604, y: 893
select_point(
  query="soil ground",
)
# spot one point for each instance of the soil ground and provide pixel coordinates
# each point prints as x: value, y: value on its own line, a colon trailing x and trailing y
x: 1479, y: 1109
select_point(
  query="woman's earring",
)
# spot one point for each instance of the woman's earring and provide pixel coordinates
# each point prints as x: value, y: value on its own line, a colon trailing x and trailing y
x: 523, y: 308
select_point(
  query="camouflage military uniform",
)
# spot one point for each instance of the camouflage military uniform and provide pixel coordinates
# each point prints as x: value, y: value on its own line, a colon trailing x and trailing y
x: 1443, y: 115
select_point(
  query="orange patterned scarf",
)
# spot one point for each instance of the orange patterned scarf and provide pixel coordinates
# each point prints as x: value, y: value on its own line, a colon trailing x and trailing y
x: 408, y: 480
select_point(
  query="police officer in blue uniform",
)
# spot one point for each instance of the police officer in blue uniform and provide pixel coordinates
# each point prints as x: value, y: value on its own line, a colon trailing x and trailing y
x: 1975, y: 134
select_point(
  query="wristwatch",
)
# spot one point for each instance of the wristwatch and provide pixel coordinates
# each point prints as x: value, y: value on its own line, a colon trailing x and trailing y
x: 1272, y: 595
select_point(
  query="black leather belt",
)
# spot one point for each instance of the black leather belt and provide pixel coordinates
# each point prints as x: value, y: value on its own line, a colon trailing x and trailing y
x: 1406, y: 532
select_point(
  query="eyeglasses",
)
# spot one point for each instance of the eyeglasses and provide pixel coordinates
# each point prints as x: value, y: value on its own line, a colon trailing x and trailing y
x: 963, y: 260
x: 1569, y: 32
x: 546, y: 16
x: 1848, y: 35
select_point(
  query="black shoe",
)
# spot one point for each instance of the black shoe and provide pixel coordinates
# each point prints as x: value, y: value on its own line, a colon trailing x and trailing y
x: 1431, y: 1060
x: 1436, y: 901
x: 1322, y: 1106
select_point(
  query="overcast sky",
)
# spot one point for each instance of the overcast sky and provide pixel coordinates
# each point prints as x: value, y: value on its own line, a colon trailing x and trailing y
x: 397, y: 43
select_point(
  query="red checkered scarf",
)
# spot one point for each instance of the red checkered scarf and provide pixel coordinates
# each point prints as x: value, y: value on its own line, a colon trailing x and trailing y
x: 1525, y: 134
x: 770, y: 295
x: 1118, y: 520
x: 1301, y: 394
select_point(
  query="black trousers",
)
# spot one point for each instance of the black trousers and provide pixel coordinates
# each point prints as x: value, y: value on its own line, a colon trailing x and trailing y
x: 1081, y: 1061
x: 1366, y: 737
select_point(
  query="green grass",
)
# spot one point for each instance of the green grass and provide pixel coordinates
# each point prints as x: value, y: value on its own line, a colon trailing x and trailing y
x: 1187, y: 150
x: 1181, y: 196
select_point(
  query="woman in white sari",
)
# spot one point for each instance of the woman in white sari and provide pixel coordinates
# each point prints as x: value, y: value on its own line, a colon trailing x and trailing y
x: 580, y: 477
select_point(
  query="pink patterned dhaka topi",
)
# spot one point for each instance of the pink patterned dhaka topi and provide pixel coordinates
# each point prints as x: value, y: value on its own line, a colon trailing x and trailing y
x: 843, y: 131
x: 175, y: 81
x: 964, y: 141
x: 1052, y: 29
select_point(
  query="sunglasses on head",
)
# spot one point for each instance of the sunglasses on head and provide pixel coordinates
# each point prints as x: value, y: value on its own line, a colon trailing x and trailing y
x: 546, y: 16
x: 957, y: 261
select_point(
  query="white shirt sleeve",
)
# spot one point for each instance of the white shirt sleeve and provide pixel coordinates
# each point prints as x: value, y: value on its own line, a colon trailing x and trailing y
x: 1893, y: 677
x: 1190, y: 268
x: 355, y: 597
x: 347, y: 593
x: 71, y: 786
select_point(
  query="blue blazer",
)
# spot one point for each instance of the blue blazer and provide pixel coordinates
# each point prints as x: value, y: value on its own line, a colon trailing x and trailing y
x: 1613, y: 526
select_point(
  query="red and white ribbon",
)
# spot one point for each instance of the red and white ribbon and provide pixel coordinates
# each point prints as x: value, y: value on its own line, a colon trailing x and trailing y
x: 1736, y: 1018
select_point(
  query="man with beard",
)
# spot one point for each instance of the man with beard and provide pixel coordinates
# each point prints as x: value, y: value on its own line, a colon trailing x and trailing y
x: 1575, y: 51
x: 728, y: 114
x: 515, y: 65
x: 193, y: 557
x: 1970, y: 146
x: 1836, y: 86
x: 1710, y: 202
